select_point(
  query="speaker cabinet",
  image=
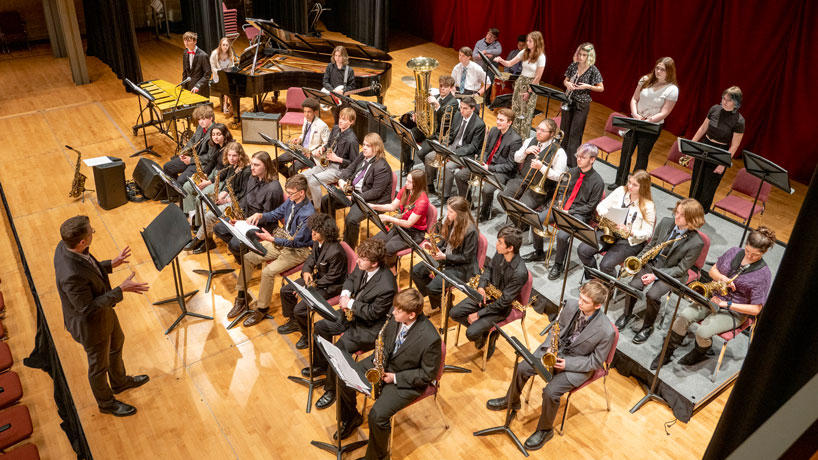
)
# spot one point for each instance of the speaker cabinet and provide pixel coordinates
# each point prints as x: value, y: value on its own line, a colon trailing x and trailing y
x: 254, y: 122
x: 148, y: 179
x: 109, y: 179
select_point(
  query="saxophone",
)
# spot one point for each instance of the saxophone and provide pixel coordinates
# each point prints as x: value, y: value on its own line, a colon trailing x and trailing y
x: 215, y: 194
x: 707, y: 290
x: 322, y: 157
x: 633, y: 264
x: 375, y: 374
x: 78, y: 184
x: 610, y: 230
x: 550, y: 357
x: 233, y: 212
x: 492, y: 293
x: 199, y: 176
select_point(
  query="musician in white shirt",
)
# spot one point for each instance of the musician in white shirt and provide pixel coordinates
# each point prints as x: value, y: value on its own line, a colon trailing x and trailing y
x: 314, y: 134
x: 537, y: 153
x: 469, y: 78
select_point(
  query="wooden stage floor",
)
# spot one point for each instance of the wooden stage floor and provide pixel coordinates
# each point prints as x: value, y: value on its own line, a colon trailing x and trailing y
x: 217, y: 394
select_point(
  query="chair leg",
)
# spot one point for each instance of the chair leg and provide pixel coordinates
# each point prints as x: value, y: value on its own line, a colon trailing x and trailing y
x: 525, y: 333
x: 718, y: 363
x: 397, y: 271
x: 605, y: 387
x: 442, y: 415
x: 391, y: 433
x: 486, y: 350
x: 561, y: 431
x: 457, y: 335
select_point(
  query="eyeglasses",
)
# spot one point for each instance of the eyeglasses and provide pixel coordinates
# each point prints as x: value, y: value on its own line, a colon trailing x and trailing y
x: 291, y: 194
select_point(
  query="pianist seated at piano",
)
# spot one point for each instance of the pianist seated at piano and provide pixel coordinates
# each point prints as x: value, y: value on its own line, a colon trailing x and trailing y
x: 314, y: 134
x: 339, y: 76
x: 196, y: 65
x: 222, y: 58
x: 340, y: 150
x: 209, y: 150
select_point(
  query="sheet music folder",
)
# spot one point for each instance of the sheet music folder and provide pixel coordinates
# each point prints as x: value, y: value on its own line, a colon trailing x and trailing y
x: 166, y: 236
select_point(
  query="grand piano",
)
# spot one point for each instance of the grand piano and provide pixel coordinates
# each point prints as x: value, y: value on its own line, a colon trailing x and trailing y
x: 283, y: 59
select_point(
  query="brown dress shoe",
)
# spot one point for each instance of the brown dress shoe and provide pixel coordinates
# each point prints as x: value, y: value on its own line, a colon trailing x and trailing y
x: 239, y: 305
x: 255, y: 318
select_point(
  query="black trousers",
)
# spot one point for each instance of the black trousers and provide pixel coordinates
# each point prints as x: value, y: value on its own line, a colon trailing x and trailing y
x: 233, y: 244
x: 105, y: 363
x: 288, y: 166
x: 178, y: 170
x: 461, y: 312
x: 395, y: 244
x: 352, y: 224
x: 292, y: 308
x: 653, y: 298
x: 354, y: 339
x: 643, y: 142
x: 433, y: 287
x: 551, y: 393
x: 704, y: 189
x: 561, y: 252
x: 461, y: 179
x: 573, y: 125
x: 615, y: 253
x: 527, y: 197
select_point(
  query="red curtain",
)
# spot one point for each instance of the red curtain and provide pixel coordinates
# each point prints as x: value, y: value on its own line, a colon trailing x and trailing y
x: 765, y: 48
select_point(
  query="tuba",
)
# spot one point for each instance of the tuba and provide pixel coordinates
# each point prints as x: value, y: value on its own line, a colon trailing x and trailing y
x: 375, y: 374
x: 424, y: 111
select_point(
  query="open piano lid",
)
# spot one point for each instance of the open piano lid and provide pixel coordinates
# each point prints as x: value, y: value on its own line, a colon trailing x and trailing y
x: 297, y: 42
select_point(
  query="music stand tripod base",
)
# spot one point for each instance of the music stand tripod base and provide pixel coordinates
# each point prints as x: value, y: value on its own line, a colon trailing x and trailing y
x: 510, y: 414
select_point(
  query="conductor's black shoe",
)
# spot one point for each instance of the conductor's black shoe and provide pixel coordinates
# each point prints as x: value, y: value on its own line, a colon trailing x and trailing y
x: 556, y: 272
x: 499, y: 404
x: 202, y: 248
x: 492, y: 345
x: 623, y: 321
x: 643, y: 335
x: 348, y: 427
x: 655, y: 363
x: 480, y: 342
x: 288, y: 328
x: 239, y: 305
x: 118, y: 408
x: 536, y: 256
x: 325, y: 401
x: 195, y: 243
x: 133, y: 382
x: 612, y: 186
x: 255, y: 317
x: 316, y: 370
x: 302, y: 343
x: 536, y: 440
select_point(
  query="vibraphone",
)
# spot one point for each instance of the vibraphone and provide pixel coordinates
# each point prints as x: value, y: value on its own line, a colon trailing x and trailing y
x: 165, y: 109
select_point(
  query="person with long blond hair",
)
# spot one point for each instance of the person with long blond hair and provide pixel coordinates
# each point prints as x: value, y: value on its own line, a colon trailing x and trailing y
x: 581, y: 78
x: 523, y: 101
x: 456, y: 252
x: 220, y: 59
x: 640, y: 218
x: 412, y: 204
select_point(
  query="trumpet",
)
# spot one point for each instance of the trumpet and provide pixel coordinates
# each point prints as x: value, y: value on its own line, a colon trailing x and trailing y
x: 550, y: 357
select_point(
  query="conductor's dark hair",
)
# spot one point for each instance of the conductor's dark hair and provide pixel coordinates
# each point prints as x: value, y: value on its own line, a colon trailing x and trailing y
x: 324, y: 225
x: 74, y: 230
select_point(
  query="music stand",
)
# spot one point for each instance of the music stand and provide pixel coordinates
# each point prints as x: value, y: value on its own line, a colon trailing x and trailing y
x: 204, y: 199
x: 406, y: 137
x: 324, y: 99
x: 524, y: 214
x: 490, y: 68
x: 444, y: 320
x: 678, y: 288
x: 615, y: 283
x: 575, y: 228
x: 298, y: 156
x: 520, y: 351
x: 342, y: 365
x: 707, y: 154
x: 170, y: 184
x: 483, y: 174
x: 369, y: 213
x: 414, y: 248
x: 315, y: 302
x: 768, y: 172
x: 165, y: 237
x: 381, y: 115
x: 548, y: 93
x: 245, y: 242
x: 448, y: 155
x: 148, y: 97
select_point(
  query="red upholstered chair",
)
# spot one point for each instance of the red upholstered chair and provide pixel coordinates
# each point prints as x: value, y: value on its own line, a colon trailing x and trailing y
x: 746, y: 184
x: 431, y: 218
x: 294, y: 115
x: 726, y: 337
x: 11, y: 390
x: 251, y: 33
x: 693, y: 275
x: 6, y: 360
x: 482, y: 247
x: 608, y: 144
x: 671, y: 174
x: 24, y: 452
x: 15, y: 425
x: 394, y: 184
x: 231, y: 23
x: 558, y: 121
x: 352, y: 259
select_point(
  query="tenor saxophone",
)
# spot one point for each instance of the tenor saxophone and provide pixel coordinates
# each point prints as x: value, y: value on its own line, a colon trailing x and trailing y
x: 233, y: 212
x: 493, y: 293
x: 78, y: 184
x: 632, y: 265
x: 375, y: 374
x: 550, y: 357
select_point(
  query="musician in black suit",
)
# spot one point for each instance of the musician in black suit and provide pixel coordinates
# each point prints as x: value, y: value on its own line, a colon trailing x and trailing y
x: 507, y: 272
x: 341, y: 149
x: 338, y: 76
x: 367, y: 293
x: 196, y: 65
x: 675, y: 260
x: 501, y: 144
x: 325, y: 268
x: 582, y: 194
x: 411, y: 360
x: 88, y: 303
x: 444, y: 104
x: 204, y: 116
x: 371, y: 177
x: 585, y: 339
x: 465, y: 139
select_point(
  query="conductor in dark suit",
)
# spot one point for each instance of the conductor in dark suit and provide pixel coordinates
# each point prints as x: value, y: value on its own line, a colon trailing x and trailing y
x: 411, y: 359
x: 585, y: 339
x: 507, y: 272
x: 675, y: 260
x: 196, y: 65
x: 88, y: 303
x: 325, y: 268
x: 367, y: 294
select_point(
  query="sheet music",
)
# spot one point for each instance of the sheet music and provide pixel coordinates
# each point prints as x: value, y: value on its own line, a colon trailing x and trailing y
x: 345, y: 372
x: 91, y: 162
x: 617, y: 215
x: 243, y: 227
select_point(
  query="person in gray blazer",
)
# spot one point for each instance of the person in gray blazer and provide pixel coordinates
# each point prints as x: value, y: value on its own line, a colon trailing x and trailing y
x: 88, y: 303
x: 585, y: 340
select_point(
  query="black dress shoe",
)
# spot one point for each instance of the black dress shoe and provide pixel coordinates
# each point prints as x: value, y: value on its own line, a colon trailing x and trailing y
x: 195, y: 243
x: 255, y: 318
x: 316, y: 370
x: 349, y: 427
x: 239, y: 305
x: 499, y: 404
x: 119, y: 409
x: 480, y: 342
x: 643, y: 335
x: 623, y: 320
x: 288, y: 328
x: 695, y: 356
x: 612, y: 186
x: 492, y: 345
x: 535, y: 256
x: 302, y: 343
x: 202, y: 248
x: 556, y: 272
x: 655, y: 363
x: 133, y: 382
x: 325, y: 401
x: 536, y: 440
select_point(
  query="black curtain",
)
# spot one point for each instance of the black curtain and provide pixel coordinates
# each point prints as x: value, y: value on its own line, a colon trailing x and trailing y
x: 366, y: 21
x: 111, y: 37
x: 782, y: 356
x: 206, y: 19
x: 290, y: 15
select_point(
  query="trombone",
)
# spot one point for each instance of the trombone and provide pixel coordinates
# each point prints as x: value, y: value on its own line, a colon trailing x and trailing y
x: 547, y: 231
x: 443, y: 137
x: 473, y: 180
x: 539, y: 188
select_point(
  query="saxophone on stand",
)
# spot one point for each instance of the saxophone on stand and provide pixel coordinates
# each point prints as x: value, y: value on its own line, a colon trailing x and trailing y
x: 78, y: 184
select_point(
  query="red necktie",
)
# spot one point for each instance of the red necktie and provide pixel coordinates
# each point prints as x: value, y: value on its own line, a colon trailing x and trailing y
x: 494, y: 150
x: 191, y: 52
x: 574, y: 192
x: 204, y: 130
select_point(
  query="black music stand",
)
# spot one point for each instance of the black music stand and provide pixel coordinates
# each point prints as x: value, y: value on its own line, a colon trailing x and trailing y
x: 483, y: 174
x: 524, y: 214
x: 342, y: 365
x: 323, y: 98
x: 448, y: 155
x: 141, y: 92
x: 521, y: 352
x: 334, y: 193
x: 406, y: 137
x: 414, y: 248
x: 204, y: 199
x: 548, y: 94
x: 298, y: 156
x: 246, y: 242
x: 678, y: 288
x: 382, y: 116
x: 370, y: 213
x: 165, y: 237
x: 315, y: 302
x: 444, y: 320
x: 709, y: 155
x: 170, y: 184
x: 490, y: 68
x: 615, y: 283
x: 768, y: 172
x: 575, y: 229
x: 636, y: 125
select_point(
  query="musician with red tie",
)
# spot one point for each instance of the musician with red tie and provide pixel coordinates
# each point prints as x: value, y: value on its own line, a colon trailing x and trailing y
x: 196, y: 65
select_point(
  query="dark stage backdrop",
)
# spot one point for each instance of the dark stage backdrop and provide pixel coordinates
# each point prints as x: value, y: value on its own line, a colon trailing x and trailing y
x: 111, y: 37
x: 765, y: 48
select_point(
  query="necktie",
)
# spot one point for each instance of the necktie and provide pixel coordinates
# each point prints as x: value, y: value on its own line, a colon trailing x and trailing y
x: 190, y: 52
x: 401, y: 337
x: 290, y: 219
x: 460, y: 132
x: 463, y: 80
x: 307, y: 135
x: 361, y: 173
x: 574, y: 192
x: 494, y: 150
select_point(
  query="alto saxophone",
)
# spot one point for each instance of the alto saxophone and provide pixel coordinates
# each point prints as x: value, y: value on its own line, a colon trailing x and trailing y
x: 492, y: 293
x: 707, y: 290
x: 550, y: 357
x: 610, y: 230
x: 233, y: 212
x: 199, y: 176
x: 214, y: 195
x: 375, y: 374
x: 632, y: 265
x: 78, y: 184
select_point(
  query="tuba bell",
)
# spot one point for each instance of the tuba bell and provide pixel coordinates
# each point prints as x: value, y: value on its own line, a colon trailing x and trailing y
x: 424, y: 111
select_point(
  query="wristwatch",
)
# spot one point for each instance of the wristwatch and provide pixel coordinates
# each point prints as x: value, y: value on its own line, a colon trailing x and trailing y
x: 729, y: 304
